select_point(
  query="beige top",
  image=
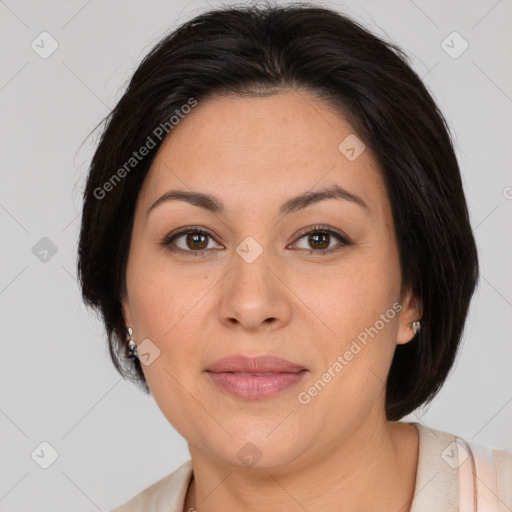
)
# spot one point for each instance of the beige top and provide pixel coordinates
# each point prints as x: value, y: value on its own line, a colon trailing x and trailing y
x: 436, y: 489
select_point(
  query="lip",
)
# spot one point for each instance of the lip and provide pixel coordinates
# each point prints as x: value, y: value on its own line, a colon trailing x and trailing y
x: 235, y: 375
x: 261, y: 364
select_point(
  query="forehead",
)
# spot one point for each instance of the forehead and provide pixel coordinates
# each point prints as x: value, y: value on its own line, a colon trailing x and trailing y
x: 267, y: 147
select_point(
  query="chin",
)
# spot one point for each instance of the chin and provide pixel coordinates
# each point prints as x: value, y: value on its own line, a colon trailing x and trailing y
x: 261, y: 447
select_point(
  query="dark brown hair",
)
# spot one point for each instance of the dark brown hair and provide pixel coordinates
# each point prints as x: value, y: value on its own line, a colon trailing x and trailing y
x: 263, y: 49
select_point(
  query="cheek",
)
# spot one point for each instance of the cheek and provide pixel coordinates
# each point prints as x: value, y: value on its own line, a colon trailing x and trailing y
x: 161, y: 295
x: 351, y: 296
x: 165, y: 314
x: 351, y: 381
x: 359, y: 306
x: 168, y: 309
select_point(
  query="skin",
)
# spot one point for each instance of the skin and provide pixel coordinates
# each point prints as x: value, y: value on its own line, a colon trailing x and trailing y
x: 337, y: 452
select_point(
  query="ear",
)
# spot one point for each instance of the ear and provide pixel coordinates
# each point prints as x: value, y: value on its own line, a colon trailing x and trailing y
x: 127, y: 313
x: 411, y: 312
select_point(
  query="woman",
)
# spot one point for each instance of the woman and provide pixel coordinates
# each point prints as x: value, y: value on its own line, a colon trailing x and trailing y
x: 275, y: 232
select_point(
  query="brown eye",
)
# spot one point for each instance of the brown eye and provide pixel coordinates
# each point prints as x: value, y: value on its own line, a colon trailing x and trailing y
x: 318, y: 240
x: 192, y: 241
x: 196, y: 241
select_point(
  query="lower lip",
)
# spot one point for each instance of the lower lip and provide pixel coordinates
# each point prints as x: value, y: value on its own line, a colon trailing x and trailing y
x: 256, y: 386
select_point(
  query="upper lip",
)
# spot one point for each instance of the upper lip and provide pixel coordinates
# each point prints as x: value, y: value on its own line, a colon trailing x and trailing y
x: 261, y: 364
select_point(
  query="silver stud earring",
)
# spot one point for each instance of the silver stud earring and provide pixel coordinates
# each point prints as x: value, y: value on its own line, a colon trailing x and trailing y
x: 415, y: 326
x: 132, y: 346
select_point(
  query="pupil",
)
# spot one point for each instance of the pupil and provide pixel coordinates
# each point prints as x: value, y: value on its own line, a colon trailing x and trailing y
x: 323, y: 244
x: 193, y: 239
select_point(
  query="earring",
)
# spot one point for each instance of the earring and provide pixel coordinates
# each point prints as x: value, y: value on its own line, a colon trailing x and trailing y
x: 415, y: 326
x: 132, y: 346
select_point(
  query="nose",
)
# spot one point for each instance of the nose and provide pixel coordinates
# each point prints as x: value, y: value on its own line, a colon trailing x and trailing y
x: 252, y: 296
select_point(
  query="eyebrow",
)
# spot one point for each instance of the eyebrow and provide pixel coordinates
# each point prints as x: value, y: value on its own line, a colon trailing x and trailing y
x: 215, y: 205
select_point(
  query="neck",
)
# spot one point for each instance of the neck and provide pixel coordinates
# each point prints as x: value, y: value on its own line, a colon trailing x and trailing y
x: 374, y: 470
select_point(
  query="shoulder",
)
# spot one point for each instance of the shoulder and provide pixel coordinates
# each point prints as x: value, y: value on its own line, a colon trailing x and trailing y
x: 503, y: 460
x: 167, y: 494
x: 446, y: 465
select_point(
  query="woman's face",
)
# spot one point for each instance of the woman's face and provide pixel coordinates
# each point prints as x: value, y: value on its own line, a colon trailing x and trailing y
x: 257, y: 284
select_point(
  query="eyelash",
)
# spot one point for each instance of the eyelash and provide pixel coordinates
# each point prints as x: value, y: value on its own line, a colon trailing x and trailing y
x: 319, y: 230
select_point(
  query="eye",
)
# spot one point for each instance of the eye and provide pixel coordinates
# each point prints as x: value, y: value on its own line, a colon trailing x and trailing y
x: 194, y: 241
x: 319, y: 239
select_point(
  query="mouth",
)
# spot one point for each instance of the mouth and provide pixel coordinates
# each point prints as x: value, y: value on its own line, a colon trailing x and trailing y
x: 259, y: 373
x: 255, y: 378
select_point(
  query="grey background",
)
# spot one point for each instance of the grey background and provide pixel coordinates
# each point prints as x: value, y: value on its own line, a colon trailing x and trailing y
x: 57, y: 382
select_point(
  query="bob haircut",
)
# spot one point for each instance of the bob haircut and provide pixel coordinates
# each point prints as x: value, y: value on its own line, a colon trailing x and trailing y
x: 261, y: 50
